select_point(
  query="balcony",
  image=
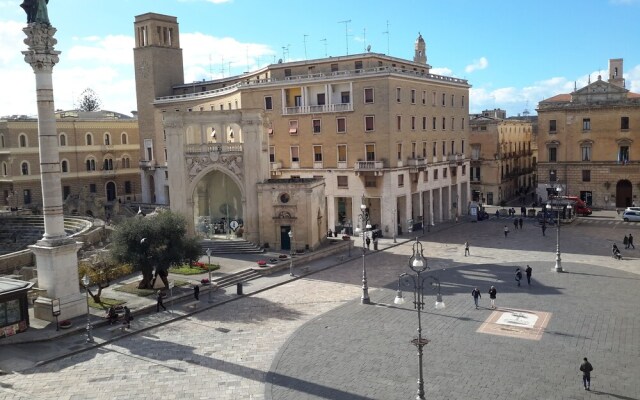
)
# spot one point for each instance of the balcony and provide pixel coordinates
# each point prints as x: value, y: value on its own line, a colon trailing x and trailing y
x: 148, y: 165
x: 455, y: 159
x: 206, y: 148
x: 416, y: 164
x: 327, y: 108
x: 376, y: 167
x: 276, y: 168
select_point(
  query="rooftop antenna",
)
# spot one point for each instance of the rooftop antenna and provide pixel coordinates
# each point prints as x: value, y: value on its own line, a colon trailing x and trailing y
x: 526, y: 112
x: 387, y: 33
x: 346, y: 32
x: 325, y: 46
x: 304, y: 40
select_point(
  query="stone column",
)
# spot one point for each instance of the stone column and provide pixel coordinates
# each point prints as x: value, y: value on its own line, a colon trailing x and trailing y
x: 56, y: 254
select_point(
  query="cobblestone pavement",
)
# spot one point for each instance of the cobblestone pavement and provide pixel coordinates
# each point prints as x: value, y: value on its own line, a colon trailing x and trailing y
x: 311, y: 339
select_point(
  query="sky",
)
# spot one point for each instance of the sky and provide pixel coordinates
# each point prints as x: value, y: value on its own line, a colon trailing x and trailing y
x: 514, y: 53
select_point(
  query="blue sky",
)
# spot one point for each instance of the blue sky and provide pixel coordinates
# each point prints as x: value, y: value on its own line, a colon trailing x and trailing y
x: 513, y: 52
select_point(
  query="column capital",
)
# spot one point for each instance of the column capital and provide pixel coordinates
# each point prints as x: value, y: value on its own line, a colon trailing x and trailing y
x: 41, y: 54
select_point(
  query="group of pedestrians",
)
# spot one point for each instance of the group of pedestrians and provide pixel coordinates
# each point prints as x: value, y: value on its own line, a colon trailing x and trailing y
x: 628, y: 242
x: 527, y: 271
x: 493, y: 292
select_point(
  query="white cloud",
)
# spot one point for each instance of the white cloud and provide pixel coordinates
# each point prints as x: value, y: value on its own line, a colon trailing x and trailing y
x: 479, y: 64
x: 11, y: 42
x: 108, y: 50
x: 444, y: 71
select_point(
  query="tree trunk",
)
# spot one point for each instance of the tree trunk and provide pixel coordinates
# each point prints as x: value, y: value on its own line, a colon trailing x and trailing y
x: 145, y: 283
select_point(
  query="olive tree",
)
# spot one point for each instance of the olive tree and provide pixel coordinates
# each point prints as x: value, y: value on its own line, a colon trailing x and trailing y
x: 154, y: 242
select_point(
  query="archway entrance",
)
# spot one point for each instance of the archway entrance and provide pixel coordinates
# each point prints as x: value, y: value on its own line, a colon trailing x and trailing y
x: 111, y: 191
x: 217, y: 207
x: 624, y: 193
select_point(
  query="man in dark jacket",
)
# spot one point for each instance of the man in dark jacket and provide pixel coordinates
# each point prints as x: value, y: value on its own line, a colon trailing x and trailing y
x: 518, y: 275
x: 586, y: 369
x: 528, y: 271
x: 476, y: 296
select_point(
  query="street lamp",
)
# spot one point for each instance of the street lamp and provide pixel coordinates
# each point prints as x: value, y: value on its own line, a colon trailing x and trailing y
x: 550, y: 207
x: 291, y: 253
x: 418, y: 264
x: 209, y: 268
x: 395, y: 225
x: 366, y: 226
x: 85, y: 282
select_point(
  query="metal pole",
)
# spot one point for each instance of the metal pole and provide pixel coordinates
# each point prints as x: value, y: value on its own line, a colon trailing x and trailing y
x: 420, y: 342
x: 365, y: 288
x: 558, y: 260
x: 395, y: 224
x: 89, y: 327
x: 210, y: 300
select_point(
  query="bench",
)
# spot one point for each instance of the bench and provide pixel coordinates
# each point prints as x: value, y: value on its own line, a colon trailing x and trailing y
x: 193, y: 304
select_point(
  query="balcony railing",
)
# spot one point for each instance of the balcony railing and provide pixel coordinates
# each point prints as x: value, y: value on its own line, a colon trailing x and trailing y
x: 369, y: 166
x: 148, y: 164
x: 327, y: 108
x: 455, y: 159
x: 416, y: 164
x: 213, y: 148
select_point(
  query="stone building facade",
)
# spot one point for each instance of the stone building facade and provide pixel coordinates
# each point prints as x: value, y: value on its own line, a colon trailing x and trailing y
x: 367, y: 125
x: 99, y: 158
x: 588, y: 142
x: 502, y: 162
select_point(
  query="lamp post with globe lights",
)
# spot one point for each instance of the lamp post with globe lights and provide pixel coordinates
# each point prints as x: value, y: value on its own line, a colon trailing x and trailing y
x: 418, y: 264
x: 85, y: 282
x: 554, y: 205
x: 365, y: 226
x: 210, y: 300
x: 291, y: 252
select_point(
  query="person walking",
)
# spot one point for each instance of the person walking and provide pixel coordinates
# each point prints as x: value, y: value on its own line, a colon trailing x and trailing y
x: 466, y: 249
x: 625, y: 242
x: 515, y: 224
x: 586, y: 369
x: 544, y: 229
x: 476, y: 296
x: 368, y: 242
x: 520, y: 222
x: 127, y: 316
x: 159, y: 301
x: 196, y: 291
x: 528, y: 271
x: 631, y: 242
x: 518, y: 275
x: 492, y: 295
x: 506, y: 231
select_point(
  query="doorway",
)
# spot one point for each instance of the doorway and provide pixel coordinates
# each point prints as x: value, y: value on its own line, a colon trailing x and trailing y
x: 284, y: 237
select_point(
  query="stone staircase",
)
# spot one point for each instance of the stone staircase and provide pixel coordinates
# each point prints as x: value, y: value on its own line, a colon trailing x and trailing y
x: 231, y: 246
x: 240, y: 276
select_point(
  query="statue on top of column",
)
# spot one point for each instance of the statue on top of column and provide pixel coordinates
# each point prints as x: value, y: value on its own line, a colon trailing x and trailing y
x: 36, y: 11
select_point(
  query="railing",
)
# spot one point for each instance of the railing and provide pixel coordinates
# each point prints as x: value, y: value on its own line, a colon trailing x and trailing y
x: 276, y: 166
x: 146, y: 164
x: 327, y: 108
x: 368, y: 165
x: 213, y: 148
x: 415, y: 164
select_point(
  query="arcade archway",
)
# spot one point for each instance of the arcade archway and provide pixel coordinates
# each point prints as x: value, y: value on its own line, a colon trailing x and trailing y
x: 624, y: 193
x: 217, y: 206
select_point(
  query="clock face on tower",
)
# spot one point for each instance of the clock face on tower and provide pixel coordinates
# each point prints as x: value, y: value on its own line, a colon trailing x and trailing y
x: 144, y: 68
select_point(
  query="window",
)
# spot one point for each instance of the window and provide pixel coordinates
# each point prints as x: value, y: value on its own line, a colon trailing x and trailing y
x: 317, y: 153
x: 424, y: 149
x: 89, y: 139
x: 334, y: 67
x: 127, y: 187
x: 272, y: 154
x: 586, y: 175
x: 453, y: 98
x: 107, y: 164
x: 316, y: 125
x: 433, y: 98
x: 345, y: 97
x: 123, y: 138
x: 462, y: 147
x: 66, y: 191
x: 398, y: 122
x: 444, y: 173
x: 5, y: 170
x: 293, y: 127
x: 624, y: 123
x: 552, y: 175
x: 462, y: 102
x: 425, y: 176
x: 453, y: 147
x: 552, y: 154
x: 342, y: 153
x: 295, y: 157
x: 401, y: 180
x: 475, y: 152
x: 586, y: 153
x: 26, y: 196
x: 444, y: 96
x: 435, y: 174
x: 287, y: 72
x: 358, y: 65
x: 343, y: 182
x: 552, y: 126
x: 370, y: 151
x: 399, y: 151
x: 370, y: 181
x: 413, y: 96
x: 107, y: 139
x: 433, y: 153
x: 368, y: 95
x: 92, y: 188
x: 23, y: 140
x: 424, y: 123
x: 464, y: 170
x: 91, y: 164
x: 444, y: 148
x: 369, y: 125
x: 268, y: 103
x: 462, y: 126
x: 424, y: 97
x: 433, y: 123
x: 586, y: 124
x: 320, y: 98
x: 453, y: 123
x: 64, y: 166
x: 63, y: 139
x: 126, y: 162
x: 2, y: 141
x: 341, y: 124
x: 444, y: 123
x: 623, y: 154
x: 398, y: 95
x: 24, y: 168
x: 413, y: 123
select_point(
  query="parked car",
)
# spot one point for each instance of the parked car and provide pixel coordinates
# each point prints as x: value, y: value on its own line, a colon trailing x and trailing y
x: 632, y: 209
x: 633, y: 216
